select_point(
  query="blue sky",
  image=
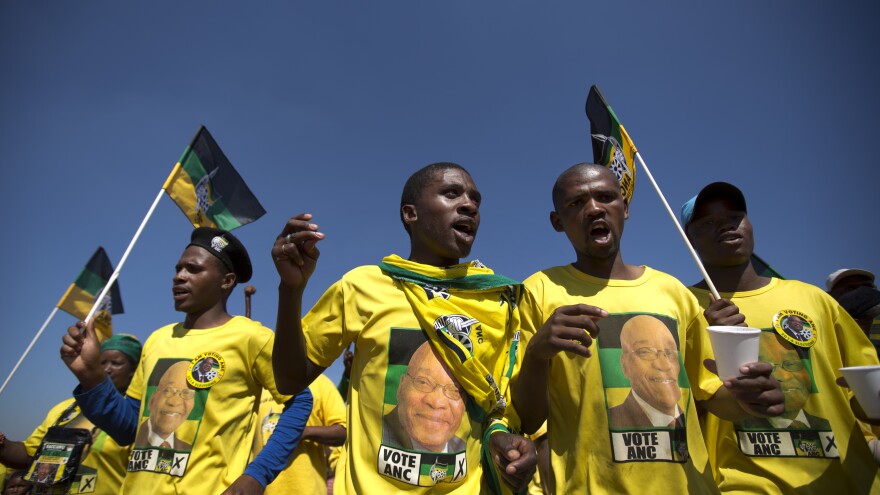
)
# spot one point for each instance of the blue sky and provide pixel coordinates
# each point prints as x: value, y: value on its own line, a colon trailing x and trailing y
x: 327, y: 107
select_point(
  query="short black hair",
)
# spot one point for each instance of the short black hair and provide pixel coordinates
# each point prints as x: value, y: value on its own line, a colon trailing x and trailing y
x: 412, y: 190
x: 576, y: 168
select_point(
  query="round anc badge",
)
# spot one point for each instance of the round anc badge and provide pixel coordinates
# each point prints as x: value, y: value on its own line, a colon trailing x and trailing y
x: 205, y: 370
x: 796, y: 327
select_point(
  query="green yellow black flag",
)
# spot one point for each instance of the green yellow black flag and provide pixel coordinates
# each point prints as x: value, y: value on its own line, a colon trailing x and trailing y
x: 208, y: 190
x: 81, y: 294
x: 612, y: 146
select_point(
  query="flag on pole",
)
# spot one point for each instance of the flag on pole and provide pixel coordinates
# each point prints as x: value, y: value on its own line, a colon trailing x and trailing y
x: 80, y: 296
x: 612, y: 146
x: 208, y: 189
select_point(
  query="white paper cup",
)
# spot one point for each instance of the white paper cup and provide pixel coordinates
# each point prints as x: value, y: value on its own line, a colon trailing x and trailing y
x: 734, y: 347
x: 865, y: 384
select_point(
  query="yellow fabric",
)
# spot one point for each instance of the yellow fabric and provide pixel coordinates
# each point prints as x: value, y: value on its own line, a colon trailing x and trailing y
x: 582, y: 455
x: 488, y: 387
x: 216, y: 457
x: 306, y: 472
x: 840, y: 343
x: 365, y: 308
x: 102, y: 470
x: 182, y: 191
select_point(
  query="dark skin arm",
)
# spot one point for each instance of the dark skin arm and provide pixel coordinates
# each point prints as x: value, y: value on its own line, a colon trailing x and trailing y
x: 756, y: 392
x: 547, y: 480
x: 295, y: 255
x: 569, y: 328
x: 515, y: 457
x: 14, y: 455
x: 244, y: 485
x: 333, y: 435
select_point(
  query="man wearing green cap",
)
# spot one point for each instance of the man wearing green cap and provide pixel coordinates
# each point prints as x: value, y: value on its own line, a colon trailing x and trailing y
x: 195, y: 430
x: 102, y: 470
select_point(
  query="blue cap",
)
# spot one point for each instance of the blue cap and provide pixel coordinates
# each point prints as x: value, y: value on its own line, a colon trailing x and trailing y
x: 712, y: 191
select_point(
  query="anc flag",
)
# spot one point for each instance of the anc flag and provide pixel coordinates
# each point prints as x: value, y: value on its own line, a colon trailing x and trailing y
x: 612, y: 146
x: 763, y: 268
x: 208, y: 189
x: 81, y: 294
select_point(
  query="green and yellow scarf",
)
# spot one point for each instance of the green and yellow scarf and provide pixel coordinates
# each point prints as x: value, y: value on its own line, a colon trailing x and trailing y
x: 440, y: 298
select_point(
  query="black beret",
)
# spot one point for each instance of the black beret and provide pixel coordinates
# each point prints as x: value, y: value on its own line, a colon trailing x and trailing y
x: 226, y: 248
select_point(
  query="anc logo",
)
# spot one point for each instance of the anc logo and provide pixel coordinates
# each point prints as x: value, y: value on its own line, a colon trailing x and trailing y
x: 205, y: 370
x: 796, y: 327
x: 459, y: 326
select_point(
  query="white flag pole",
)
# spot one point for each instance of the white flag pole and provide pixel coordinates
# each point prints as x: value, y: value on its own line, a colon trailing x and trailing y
x: 124, y: 257
x: 674, y: 218
x: 28, y: 350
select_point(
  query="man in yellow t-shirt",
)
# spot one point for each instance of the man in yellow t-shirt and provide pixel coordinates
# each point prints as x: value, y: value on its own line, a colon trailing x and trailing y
x: 210, y: 420
x: 379, y: 315
x: 815, y: 445
x: 306, y: 472
x: 616, y: 350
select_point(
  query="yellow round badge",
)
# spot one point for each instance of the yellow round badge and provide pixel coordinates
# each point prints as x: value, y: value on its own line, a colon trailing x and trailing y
x: 205, y: 370
x: 796, y: 327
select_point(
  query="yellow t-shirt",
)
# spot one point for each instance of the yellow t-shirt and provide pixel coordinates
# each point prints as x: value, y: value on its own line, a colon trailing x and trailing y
x: 102, y: 469
x: 605, y: 433
x: 368, y: 309
x: 822, y: 452
x: 199, y: 393
x: 307, y: 470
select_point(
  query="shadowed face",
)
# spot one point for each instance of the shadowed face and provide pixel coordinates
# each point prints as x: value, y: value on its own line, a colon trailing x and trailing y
x: 118, y: 367
x: 788, y: 369
x: 200, y: 281
x: 429, y: 403
x: 721, y: 233
x: 172, y: 401
x: 650, y: 362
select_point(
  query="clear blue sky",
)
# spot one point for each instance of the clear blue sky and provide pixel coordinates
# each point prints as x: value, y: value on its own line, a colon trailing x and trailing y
x: 327, y: 107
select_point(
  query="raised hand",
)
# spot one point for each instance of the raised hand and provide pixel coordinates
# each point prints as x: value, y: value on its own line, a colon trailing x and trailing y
x: 569, y: 328
x: 81, y: 352
x: 295, y: 252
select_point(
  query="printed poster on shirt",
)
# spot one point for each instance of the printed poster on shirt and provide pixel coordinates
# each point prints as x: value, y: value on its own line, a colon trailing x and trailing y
x: 169, y: 424
x: 797, y: 432
x: 646, y: 387
x: 424, y: 424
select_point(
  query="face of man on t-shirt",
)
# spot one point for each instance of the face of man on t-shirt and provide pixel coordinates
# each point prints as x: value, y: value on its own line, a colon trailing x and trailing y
x: 430, y: 403
x: 649, y: 360
x: 172, y: 402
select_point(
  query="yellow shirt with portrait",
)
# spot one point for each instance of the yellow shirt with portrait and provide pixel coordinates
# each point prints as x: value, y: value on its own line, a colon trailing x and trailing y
x: 368, y: 309
x: 604, y: 437
x: 307, y: 470
x: 820, y: 450
x: 211, y: 415
x: 103, y: 468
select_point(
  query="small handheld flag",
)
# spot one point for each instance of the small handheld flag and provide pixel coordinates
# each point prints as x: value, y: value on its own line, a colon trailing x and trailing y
x: 80, y: 296
x: 207, y: 188
x: 612, y: 146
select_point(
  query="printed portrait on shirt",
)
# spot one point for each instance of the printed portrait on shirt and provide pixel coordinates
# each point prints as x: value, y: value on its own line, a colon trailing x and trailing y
x: 797, y: 432
x: 646, y: 387
x: 424, y: 423
x: 172, y: 412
